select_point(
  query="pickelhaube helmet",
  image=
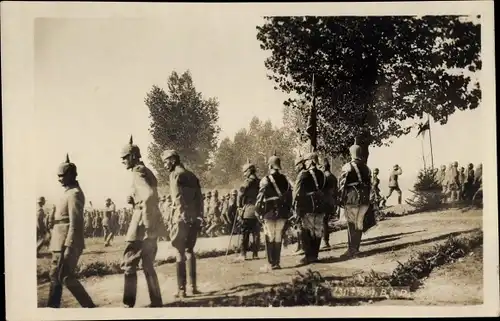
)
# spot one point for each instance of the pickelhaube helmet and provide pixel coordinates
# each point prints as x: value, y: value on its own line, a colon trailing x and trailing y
x: 274, y: 162
x: 299, y: 160
x: 131, y: 149
x: 355, y: 152
x: 67, y: 167
x: 248, y: 166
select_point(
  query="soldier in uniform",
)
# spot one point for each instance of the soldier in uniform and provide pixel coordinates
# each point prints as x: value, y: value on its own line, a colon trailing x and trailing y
x: 441, y: 177
x: 478, y: 183
x: 274, y: 205
x: 143, y: 231
x: 469, y: 183
x: 107, y: 221
x: 454, y: 182
x: 67, y: 242
x: 299, y: 167
x: 246, y: 204
x: 185, y: 190
x: 330, y: 200
x: 41, y: 228
x: 310, y: 189
x: 354, y: 188
x: 462, y: 178
x: 232, y: 209
x: 394, y: 184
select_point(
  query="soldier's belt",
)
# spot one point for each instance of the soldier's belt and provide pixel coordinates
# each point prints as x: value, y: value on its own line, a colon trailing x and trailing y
x: 311, y: 193
x: 62, y: 221
x: 273, y: 198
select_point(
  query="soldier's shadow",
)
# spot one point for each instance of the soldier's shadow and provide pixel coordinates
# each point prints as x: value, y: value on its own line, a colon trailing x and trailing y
x: 393, y: 247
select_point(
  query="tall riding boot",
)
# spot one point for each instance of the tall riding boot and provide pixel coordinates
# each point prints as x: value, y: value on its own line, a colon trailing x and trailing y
x: 358, y: 237
x: 400, y: 199
x: 256, y: 245
x: 130, y: 290
x: 270, y: 251
x: 245, y: 238
x: 351, y: 236
x: 317, y: 244
x: 55, y: 295
x: 153, y: 288
x: 191, y: 265
x: 306, y: 246
x: 79, y: 292
x: 277, y: 255
x: 181, y: 279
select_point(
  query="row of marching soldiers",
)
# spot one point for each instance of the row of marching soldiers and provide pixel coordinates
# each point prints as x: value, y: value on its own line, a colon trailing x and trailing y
x: 270, y: 200
x: 273, y: 203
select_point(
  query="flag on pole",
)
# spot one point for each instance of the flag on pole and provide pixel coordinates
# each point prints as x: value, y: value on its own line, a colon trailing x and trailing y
x: 311, y: 129
x: 422, y: 128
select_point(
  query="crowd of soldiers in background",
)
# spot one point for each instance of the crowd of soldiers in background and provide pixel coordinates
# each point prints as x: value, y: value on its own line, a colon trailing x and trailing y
x: 457, y: 183
x: 460, y: 183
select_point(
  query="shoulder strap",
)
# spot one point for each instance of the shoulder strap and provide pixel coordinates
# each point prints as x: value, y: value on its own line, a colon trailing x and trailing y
x: 276, y: 188
x: 358, y: 173
x: 314, y: 178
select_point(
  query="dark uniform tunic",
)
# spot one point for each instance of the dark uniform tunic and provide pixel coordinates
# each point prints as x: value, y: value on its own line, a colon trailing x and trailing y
x: 249, y: 222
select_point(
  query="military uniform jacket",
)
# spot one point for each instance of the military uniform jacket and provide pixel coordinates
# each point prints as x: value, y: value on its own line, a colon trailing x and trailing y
x: 40, y: 220
x: 310, y: 192
x: 355, y: 184
x: 108, y: 213
x: 248, y: 196
x: 185, y: 191
x: 393, y: 178
x: 453, y: 178
x: 68, y: 221
x: 332, y: 190
x: 274, y: 200
x: 146, y: 217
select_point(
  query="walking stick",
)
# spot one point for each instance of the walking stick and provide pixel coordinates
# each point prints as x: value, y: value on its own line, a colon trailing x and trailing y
x: 231, y: 235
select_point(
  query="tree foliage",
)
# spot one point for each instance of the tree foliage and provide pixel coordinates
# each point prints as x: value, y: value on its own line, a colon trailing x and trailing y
x: 183, y: 120
x: 372, y: 73
x: 256, y: 144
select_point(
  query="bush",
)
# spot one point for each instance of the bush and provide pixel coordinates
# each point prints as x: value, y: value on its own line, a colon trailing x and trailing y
x: 427, y: 191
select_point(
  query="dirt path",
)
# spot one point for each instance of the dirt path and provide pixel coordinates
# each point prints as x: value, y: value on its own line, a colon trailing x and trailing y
x: 391, y: 241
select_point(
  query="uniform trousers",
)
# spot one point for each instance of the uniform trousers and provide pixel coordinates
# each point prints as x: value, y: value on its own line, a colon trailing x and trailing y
x: 355, y: 215
x: 397, y: 190
x: 273, y: 231
x: 183, y: 239
x: 312, y: 231
x: 62, y: 272
x: 250, y: 226
x: 135, y: 252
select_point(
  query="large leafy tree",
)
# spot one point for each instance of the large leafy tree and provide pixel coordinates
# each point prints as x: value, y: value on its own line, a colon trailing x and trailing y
x: 372, y: 73
x: 183, y: 120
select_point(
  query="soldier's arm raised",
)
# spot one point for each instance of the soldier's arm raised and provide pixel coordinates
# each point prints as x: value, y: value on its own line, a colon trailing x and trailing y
x: 75, y: 209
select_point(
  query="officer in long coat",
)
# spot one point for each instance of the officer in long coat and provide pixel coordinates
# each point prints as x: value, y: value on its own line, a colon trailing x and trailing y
x: 310, y: 190
x: 143, y: 230
x: 354, y: 190
x: 67, y: 242
x: 246, y: 204
x: 274, y: 206
x: 187, y: 206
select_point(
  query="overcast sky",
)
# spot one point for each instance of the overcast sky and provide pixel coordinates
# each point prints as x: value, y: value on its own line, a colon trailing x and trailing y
x: 91, y: 77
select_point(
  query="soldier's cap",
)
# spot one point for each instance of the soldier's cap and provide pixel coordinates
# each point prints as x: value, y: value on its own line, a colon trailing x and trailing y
x: 274, y: 162
x: 169, y: 153
x: 396, y: 166
x: 355, y: 152
x: 131, y: 149
x: 209, y: 193
x: 375, y: 170
x: 471, y: 165
x: 41, y: 199
x: 235, y: 192
x: 108, y: 199
x: 455, y: 164
x: 67, y: 167
x: 312, y: 156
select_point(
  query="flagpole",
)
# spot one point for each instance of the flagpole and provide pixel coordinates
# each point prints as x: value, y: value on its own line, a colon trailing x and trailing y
x: 423, y: 153
x: 430, y: 141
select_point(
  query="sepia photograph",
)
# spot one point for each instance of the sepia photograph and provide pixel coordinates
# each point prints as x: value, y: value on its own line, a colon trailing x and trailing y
x: 210, y: 156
